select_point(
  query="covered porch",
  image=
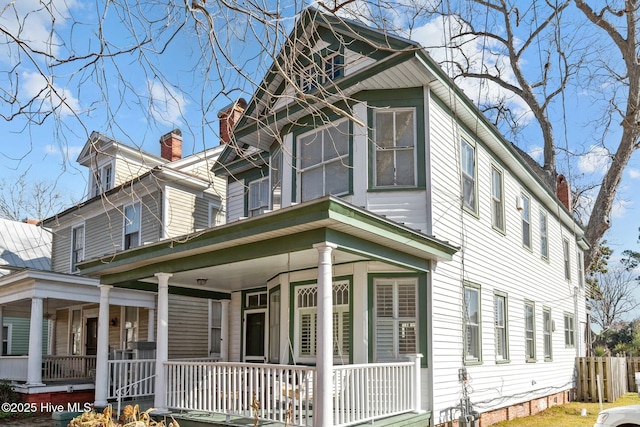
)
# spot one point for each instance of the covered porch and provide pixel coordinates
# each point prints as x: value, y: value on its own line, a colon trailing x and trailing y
x: 300, y: 340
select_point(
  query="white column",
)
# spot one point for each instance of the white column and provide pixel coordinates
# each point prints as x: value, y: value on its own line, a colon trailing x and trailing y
x: 417, y: 383
x: 102, y: 353
x: 34, y: 368
x: 324, y: 349
x: 151, y: 329
x: 162, y: 342
x: 224, y: 330
x: 1, y: 330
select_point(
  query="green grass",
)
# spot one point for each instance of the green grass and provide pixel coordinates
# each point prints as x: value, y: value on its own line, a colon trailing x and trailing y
x: 569, y: 415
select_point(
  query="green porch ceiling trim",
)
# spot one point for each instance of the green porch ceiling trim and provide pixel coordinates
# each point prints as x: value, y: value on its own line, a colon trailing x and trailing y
x: 174, y: 290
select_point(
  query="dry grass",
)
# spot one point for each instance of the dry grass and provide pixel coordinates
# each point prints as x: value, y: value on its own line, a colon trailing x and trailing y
x: 569, y: 415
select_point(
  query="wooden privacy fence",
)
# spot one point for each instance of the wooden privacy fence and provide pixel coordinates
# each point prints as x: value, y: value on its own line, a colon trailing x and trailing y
x: 633, y: 366
x: 613, y: 378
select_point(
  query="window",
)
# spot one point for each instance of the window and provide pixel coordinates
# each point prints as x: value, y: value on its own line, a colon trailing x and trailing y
x: 215, y: 328
x: 567, y: 261
x: 544, y: 233
x: 529, y: 331
x: 258, y: 196
x: 103, y: 179
x: 547, y: 328
x: 274, y: 326
x: 130, y: 331
x: 395, y: 323
x: 306, y: 304
x: 76, y: 332
x: 468, y: 157
x: 497, y: 199
x: 500, y: 322
x: 6, y: 340
x: 77, y: 246
x: 256, y: 300
x: 472, y: 324
x: 276, y: 174
x: 132, y: 226
x: 216, y: 215
x: 580, y: 264
x: 324, y: 161
x: 526, y: 221
x: 395, y: 140
x: 315, y: 75
x: 569, y: 330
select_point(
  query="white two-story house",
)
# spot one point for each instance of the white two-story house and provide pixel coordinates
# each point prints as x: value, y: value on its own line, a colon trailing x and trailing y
x: 386, y: 251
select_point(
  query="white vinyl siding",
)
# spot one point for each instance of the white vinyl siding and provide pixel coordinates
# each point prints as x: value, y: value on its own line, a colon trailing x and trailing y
x: 501, y: 328
x: 323, y: 159
x: 396, y: 318
x: 469, y: 173
x: 395, y: 147
x: 472, y: 330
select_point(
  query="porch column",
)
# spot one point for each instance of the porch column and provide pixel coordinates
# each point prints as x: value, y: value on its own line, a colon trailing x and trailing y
x: 102, y: 353
x: 162, y: 342
x: 224, y: 330
x: 324, y: 351
x: 34, y: 367
x: 151, y: 329
x: 1, y: 330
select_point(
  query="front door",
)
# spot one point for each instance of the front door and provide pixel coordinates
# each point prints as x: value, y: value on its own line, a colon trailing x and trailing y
x: 92, y: 336
x: 255, y: 336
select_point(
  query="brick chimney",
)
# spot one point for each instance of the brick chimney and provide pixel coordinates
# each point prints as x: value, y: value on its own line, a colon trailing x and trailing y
x: 171, y: 145
x: 563, y: 192
x: 31, y: 221
x: 229, y: 116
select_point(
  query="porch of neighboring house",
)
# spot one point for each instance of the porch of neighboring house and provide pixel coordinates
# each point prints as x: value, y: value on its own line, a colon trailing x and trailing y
x: 60, y: 363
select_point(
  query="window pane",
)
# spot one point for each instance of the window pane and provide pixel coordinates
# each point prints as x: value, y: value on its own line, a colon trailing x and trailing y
x: 384, y: 301
x: 132, y: 218
x: 336, y: 140
x: 311, y: 184
x: 406, y: 337
x: 384, y: 129
x: 407, y: 300
x: 404, y: 167
x: 384, y: 168
x: 310, y: 150
x: 337, y: 176
x: 404, y: 129
x: 385, y: 341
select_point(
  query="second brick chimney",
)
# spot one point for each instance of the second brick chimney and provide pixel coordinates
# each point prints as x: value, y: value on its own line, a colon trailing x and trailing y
x: 229, y: 116
x: 171, y: 145
x: 563, y: 192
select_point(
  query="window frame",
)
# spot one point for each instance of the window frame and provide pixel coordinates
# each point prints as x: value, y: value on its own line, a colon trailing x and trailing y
x: 276, y: 177
x: 262, y: 185
x: 75, y: 261
x: 464, y: 174
x: 501, y: 332
x: 274, y: 309
x: 134, y: 327
x: 102, y: 179
x: 566, y: 259
x: 544, y: 235
x: 214, y: 324
x: 6, y: 338
x: 569, y: 330
x: 532, y: 331
x: 216, y: 215
x: 395, y: 148
x: 547, y: 333
x: 525, y: 216
x: 341, y: 159
x: 580, y: 267
x: 321, y: 70
x: 467, y: 325
x: 497, y: 203
x: 137, y: 208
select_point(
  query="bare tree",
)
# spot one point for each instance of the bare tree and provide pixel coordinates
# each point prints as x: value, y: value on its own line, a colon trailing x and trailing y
x: 613, y: 297
x: 21, y: 199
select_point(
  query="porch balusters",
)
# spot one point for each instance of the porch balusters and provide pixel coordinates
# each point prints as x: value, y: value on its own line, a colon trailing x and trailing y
x: 102, y: 357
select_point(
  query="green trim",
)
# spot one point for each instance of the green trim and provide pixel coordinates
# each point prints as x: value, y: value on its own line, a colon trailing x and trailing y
x: 422, y: 314
x: 174, y: 290
x: 239, y: 165
x: 477, y: 287
x: 292, y: 313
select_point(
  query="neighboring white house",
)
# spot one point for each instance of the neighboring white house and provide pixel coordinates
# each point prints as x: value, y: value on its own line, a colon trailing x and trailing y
x: 372, y: 214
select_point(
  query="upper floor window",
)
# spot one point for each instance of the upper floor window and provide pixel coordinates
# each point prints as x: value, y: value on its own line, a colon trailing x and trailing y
x: 473, y: 340
x: 77, y: 246
x: 526, y: 220
x: 324, y: 161
x: 580, y: 263
x: 258, y: 196
x: 567, y: 259
x: 497, y: 199
x: 328, y: 68
x: 469, y: 190
x: 276, y: 174
x: 216, y: 215
x: 396, y: 318
x: 102, y: 179
x: 131, y: 226
x: 544, y: 235
x: 395, y: 147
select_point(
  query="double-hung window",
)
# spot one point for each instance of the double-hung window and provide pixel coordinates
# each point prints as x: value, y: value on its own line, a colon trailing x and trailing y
x: 6, y: 340
x: 580, y: 264
x: 544, y: 235
x: 77, y: 246
x: 529, y: 331
x: 469, y: 190
x: 132, y: 226
x: 215, y: 328
x: 258, y: 196
x: 395, y: 147
x: 546, y: 330
x: 276, y: 174
x: 396, y: 318
x: 526, y: 220
x: 497, y: 199
x: 324, y: 161
x: 569, y: 330
x: 306, y: 305
x: 567, y: 259
x: 103, y: 179
x: 216, y: 215
x: 500, y: 322
x: 473, y: 341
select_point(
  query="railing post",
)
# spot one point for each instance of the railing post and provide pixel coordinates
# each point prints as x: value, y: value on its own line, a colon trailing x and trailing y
x: 417, y: 392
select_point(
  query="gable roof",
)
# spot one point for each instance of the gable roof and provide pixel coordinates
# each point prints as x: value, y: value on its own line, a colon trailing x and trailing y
x: 24, y: 245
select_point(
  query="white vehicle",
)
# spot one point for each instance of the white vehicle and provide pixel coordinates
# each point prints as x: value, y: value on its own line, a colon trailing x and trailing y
x: 622, y: 416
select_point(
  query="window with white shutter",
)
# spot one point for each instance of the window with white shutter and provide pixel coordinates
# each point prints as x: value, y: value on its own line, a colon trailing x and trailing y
x: 395, y: 322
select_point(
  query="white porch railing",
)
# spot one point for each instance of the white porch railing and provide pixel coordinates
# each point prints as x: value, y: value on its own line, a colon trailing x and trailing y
x: 14, y: 368
x: 275, y: 392
x: 131, y: 378
x: 284, y: 393
x: 55, y: 368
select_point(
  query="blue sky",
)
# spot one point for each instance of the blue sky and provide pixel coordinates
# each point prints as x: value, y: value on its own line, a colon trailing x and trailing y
x: 137, y: 97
